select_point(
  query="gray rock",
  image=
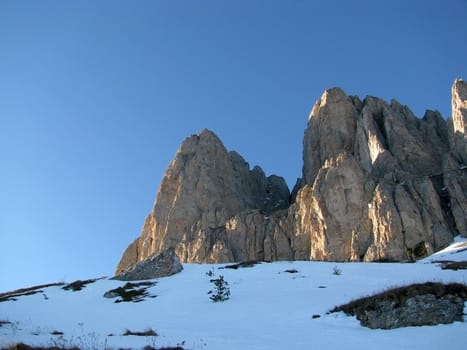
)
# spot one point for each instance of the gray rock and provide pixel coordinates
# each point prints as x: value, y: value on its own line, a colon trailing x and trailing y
x: 420, y: 310
x: 425, y: 304
x: 165, y: 263
x: 111, y: 294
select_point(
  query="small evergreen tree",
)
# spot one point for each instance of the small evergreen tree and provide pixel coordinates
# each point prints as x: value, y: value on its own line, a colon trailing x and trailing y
x: 222, y: 290
x: 336, y: 271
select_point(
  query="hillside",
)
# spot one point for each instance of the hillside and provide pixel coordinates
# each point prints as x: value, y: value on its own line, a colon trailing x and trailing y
x: 272, y: 306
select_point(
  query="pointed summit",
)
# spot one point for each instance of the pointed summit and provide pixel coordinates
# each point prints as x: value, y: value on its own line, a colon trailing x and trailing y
x: 335, y: 98
x: 331, y: 129
x: 203, y: 189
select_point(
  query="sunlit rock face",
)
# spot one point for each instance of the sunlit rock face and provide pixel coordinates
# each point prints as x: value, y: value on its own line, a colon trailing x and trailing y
x: 378, y: 183
x: 459, y: 106
x: 211, y: 207
x: 457, y: 180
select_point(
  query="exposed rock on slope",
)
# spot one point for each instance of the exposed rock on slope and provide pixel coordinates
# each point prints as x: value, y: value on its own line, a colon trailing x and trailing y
x: 163, y: 264
x: 424, y: 304
x: 378, y: 184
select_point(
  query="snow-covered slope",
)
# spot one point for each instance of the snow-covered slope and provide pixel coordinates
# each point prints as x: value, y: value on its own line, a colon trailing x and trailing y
x: 269, y: 308
x: 455, y: 252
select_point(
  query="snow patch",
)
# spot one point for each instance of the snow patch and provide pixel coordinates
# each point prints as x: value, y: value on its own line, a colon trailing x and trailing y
x: 267, y: 309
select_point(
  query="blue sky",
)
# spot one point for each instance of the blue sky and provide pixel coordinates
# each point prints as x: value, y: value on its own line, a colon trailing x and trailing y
x: 96, y: 96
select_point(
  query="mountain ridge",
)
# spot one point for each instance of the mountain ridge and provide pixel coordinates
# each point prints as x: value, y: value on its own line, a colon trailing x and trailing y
x: 378, y: 184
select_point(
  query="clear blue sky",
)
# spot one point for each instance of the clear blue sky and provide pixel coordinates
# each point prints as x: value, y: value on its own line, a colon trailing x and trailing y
x: 96, y: 96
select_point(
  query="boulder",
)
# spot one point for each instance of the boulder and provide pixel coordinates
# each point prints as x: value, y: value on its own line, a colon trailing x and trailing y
x: 425, y: 304
x: 420, y: 310
x: 165, y: 263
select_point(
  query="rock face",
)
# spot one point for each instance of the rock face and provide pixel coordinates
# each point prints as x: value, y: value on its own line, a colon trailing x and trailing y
x: 210, y: 207
x: 425, y: 304
x: 158, y: 265
x: 459, y: 118
x: 378, y: 183
x: 420, y: 310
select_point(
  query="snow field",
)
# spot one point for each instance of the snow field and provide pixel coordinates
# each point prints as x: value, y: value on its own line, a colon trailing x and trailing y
x: 268, y: 309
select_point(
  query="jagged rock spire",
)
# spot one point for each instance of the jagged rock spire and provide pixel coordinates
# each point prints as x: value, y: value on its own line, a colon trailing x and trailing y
x: 204, y: 187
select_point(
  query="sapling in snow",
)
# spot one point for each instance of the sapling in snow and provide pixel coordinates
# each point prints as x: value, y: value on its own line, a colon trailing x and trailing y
x: 336, y: 271
x: 221, y: 291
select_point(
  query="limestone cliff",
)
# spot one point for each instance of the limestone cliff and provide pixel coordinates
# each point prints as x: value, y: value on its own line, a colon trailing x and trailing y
x: 210, y: 206
x: 378, y: 183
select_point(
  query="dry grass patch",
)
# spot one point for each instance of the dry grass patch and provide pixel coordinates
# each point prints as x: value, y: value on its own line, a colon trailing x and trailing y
x: 131, y: 292
x: 14, y: 294
x: 453, y: 265
x: 242, y: 264
x: 147, y: 333
x: 79, y: 284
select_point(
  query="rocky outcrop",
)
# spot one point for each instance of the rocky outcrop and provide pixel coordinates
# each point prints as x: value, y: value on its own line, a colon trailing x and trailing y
x: 378, y: 180
x: 163, y: 264
x: 378, y: 183
x: 425, y: 304
x: 420, y: 310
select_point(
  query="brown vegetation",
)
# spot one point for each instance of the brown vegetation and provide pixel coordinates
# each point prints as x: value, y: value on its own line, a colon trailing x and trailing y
x: 242, y: 264
x: 131, y: 292
x: 12, y: 295
x: 147, y: 333
x: 453, y: 265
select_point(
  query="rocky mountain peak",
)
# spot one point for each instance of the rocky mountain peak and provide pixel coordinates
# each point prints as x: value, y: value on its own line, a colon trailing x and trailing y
x: 334, y: 98
x: 204, y: 187
x: 378, y: 184
x: 377, y: 180
x: 333, y: 117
